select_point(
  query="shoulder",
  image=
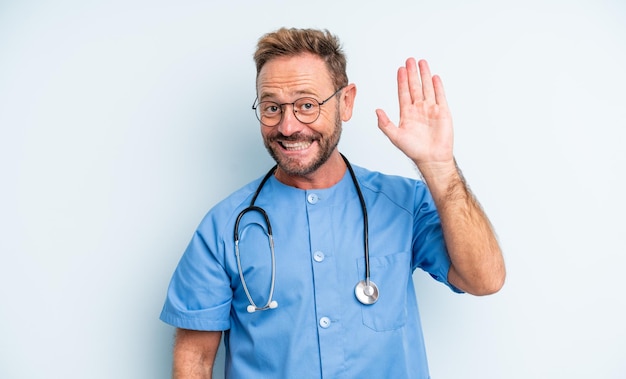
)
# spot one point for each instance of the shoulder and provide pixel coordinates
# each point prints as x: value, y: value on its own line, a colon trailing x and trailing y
x: 398, y: 189
x: 223, y: 214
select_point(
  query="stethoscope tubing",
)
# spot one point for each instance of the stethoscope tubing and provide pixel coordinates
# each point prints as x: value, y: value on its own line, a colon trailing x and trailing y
x: 366, y: 291
x: 254, y: 208
x: 366, y: 247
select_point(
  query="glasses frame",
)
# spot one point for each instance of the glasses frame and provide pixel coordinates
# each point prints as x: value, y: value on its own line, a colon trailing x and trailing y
x: 255, y: 105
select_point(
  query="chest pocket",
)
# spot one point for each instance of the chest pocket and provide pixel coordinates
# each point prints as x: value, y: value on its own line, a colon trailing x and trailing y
x: 391, y: 273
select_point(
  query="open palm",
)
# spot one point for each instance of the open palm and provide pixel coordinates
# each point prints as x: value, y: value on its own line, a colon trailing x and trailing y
x: 424, y: 132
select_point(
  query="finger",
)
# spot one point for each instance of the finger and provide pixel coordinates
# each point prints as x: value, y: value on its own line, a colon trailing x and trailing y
x: 404, y: 94
x: 415, y: 85
x: 440, y: 94
x: 427, y: 81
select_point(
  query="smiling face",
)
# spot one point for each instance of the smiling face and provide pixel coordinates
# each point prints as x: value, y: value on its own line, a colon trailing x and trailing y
x: 301, y: 149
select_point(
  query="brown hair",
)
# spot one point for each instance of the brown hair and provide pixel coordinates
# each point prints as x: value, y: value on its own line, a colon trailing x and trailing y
x: 290, y: 42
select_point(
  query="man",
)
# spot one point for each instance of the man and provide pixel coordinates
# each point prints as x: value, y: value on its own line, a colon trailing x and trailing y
x: 288, y: 303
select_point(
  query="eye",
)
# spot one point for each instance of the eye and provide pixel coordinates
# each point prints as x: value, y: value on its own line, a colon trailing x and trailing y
x: 269, y: 108
x: 306, y: 105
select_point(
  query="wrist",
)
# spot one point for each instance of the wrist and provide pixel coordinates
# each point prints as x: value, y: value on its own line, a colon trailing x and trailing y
x: 437, y: 170
x: 441, y: 177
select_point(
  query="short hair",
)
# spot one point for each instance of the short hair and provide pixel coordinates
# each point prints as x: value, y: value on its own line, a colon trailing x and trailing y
x: 291, y: 42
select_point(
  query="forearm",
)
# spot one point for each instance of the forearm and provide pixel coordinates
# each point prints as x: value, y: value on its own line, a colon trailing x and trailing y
x: 477, y: 266
x: 194, y: 354
x: 425, y: 135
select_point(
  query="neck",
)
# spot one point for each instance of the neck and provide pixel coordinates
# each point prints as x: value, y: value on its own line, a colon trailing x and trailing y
x: 329, y: 174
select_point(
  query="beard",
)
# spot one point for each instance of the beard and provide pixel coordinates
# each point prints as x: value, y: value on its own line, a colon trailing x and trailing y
x: 295, y: 167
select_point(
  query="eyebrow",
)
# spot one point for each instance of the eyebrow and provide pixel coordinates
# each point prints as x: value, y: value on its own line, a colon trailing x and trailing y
x: 300, y: 93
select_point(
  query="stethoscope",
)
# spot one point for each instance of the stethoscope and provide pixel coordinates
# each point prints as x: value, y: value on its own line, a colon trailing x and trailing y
x: 366, y: 291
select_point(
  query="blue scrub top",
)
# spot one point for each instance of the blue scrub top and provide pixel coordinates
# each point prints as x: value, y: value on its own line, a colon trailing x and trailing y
x: 319, y: 329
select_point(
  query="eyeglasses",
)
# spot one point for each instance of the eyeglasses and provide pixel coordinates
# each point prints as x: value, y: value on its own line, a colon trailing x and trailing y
x: 306, y: 110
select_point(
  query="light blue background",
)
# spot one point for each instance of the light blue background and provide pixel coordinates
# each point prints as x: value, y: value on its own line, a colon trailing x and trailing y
x: 123, y: 122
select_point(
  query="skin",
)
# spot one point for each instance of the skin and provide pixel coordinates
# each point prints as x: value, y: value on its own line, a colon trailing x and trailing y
x: 308, y: 158
x: 424, y: 133
x: 194, y: 353
x: 286, y: 79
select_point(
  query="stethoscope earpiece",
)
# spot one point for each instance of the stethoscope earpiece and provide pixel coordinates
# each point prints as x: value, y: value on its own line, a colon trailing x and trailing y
x: 252, y: 308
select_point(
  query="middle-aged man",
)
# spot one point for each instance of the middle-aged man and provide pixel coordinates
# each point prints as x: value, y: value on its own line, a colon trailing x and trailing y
x: 308, y: 271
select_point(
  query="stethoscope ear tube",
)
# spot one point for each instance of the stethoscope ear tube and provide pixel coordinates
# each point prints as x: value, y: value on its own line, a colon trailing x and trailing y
x: 271, y: 304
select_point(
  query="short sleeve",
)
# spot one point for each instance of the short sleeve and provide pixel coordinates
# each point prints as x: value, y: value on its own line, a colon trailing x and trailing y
x: 199, y: 295
x: 429, y: 247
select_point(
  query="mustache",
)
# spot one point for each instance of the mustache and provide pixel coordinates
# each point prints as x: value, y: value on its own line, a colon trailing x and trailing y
x: 296, y: 137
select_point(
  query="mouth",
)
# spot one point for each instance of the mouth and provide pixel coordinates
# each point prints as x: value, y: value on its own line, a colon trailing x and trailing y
x: 295, y: 145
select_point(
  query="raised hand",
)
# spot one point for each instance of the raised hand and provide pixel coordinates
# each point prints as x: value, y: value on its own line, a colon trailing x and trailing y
x: 424, y: 132
x: 425, y: 135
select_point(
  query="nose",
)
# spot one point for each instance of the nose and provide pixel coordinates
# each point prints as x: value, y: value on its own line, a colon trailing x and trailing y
x: 289, y: 124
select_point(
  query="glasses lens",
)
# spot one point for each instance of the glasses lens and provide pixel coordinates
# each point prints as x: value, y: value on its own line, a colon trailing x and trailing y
x: 306, y: 109
x: 268, y: 112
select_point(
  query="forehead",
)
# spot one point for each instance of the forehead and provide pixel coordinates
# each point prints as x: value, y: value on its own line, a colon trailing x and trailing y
x: 286, y: 76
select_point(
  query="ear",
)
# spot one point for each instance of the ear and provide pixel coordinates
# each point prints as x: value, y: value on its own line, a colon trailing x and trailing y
x: 346, y: 101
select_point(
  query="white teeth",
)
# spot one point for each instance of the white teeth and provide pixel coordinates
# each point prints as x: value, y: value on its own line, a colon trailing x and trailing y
x: 296, y: 145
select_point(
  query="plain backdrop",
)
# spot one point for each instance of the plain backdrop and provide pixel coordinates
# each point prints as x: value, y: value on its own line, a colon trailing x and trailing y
x: 123, y: 122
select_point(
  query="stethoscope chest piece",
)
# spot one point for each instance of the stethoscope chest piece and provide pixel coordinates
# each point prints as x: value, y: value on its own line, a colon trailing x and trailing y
x: 366, y: 293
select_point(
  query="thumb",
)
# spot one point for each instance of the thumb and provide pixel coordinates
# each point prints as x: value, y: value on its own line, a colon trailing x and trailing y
x: 384, y: 124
